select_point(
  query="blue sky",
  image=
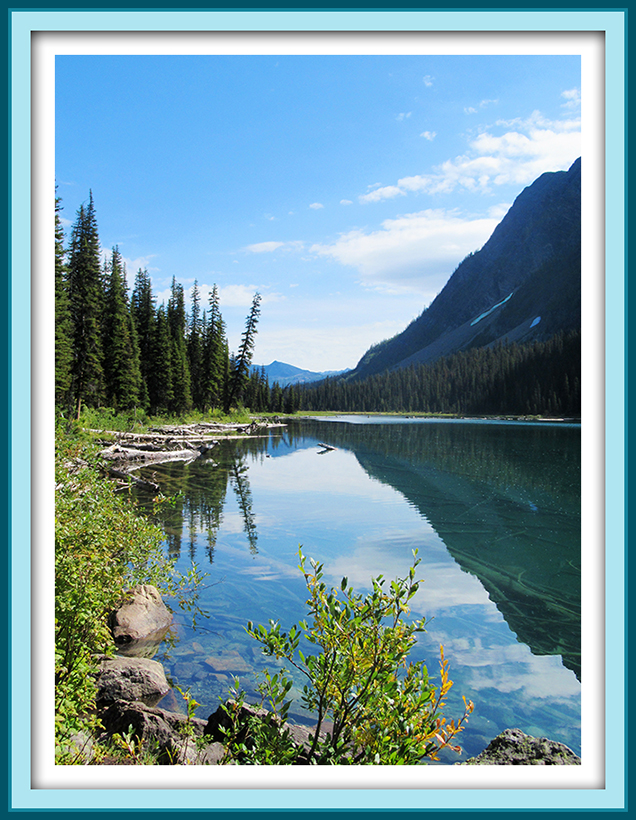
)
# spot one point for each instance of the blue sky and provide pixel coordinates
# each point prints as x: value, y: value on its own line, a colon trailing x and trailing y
x: 345, y: 189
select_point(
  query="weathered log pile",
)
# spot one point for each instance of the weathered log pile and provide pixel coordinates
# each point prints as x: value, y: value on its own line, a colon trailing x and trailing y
x: 185, y: 442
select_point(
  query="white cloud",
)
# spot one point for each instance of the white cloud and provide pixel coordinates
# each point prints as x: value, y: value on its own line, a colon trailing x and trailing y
x: 509, y: 152
x: 234, y: 295
x: 499, y: 211
x: 142, y: 262
x: 428, y: 80
x: 415, y: 252
x: 133, y: 265
x: 346, y: 202
x: 387, y: 192
x: 316, y: 206
x: 401, y: 117
x: 264, y: 247
x: 572, y: 99
x: 230, y: 296
x: 470, y: 110
x: 270, y: 247
x: 428, y: 135
x: 320, y: 348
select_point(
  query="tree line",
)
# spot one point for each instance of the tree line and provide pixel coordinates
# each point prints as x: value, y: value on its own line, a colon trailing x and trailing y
x: 537, y: 378
x: 125, y: 351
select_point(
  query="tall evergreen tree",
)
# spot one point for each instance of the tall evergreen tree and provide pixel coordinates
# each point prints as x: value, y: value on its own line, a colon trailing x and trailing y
x: 143, y: 312
x: 86, y: 303
x: 215, y: 354
x: 181, y: 394
x: 195, y: 349
x: 160, y: 394
x: 121, y: 353
x: 63, y: 324
x: 240, y: 372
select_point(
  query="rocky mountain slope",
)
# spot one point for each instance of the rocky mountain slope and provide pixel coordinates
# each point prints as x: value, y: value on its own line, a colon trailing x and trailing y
x: 523, y: 285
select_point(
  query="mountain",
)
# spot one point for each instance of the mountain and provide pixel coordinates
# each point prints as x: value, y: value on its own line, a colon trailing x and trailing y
x: 523, y: 285
x: 286, y: 374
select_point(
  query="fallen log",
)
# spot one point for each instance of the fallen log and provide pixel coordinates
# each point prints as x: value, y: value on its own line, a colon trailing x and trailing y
x: 126, y: 455
x: 138, y: 482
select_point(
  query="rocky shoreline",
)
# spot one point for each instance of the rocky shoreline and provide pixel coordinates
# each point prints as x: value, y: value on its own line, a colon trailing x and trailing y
x: 133, y: 693
x: 131, y: 687
x: 134, y: 697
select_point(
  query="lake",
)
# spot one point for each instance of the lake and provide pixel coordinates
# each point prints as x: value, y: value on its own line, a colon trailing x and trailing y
x: 492, y: 507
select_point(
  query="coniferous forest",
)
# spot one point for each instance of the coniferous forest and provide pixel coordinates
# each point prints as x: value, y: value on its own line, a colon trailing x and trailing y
x: 538, y: 378
x: 124, y: 351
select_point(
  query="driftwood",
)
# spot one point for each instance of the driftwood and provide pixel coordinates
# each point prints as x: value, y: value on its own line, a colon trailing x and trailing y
x: 139, y: 482
x: 118, y: 453
x: 131, y: 451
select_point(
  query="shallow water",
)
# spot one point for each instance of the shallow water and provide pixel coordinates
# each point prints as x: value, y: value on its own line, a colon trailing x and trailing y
x: 493, y: 509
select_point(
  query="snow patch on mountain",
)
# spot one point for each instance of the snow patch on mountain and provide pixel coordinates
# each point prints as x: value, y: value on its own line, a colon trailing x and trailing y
x: 490, y: 310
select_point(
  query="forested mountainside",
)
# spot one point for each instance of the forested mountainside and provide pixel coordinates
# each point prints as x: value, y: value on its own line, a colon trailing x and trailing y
x: 536, y: 378
x: 524, y: 285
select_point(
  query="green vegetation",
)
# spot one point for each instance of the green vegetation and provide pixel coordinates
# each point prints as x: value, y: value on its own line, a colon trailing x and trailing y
x: 126, y: 352
x: 138, y: 421
x: 379, y: 709
x: 540, y: 378
x: 371, y: 704
x: 103, y: 546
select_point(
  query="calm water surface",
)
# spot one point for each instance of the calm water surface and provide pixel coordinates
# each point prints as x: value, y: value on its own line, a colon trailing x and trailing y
x: 493, y: 508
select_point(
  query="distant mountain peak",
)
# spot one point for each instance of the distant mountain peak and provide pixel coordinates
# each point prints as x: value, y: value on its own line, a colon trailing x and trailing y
x: 286, y: 374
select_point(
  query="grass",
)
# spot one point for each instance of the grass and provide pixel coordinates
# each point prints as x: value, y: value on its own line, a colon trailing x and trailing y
x: 137, y: 421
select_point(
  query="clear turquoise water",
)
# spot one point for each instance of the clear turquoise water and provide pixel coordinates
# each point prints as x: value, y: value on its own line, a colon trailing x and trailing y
x: 493, y: 508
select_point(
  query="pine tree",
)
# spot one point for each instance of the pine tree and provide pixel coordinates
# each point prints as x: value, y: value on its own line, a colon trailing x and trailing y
x: 181, y: 395
x: 121, y: 353
x: 195, y: 349
x: 86, y: 303
x: 215, y: 354
x: 160, y: 394
x: 143, y: 312
x: 240, y: 372
x: 63, y: 325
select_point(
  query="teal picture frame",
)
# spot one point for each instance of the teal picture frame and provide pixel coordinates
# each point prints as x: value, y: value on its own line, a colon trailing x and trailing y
x: 25, y: 445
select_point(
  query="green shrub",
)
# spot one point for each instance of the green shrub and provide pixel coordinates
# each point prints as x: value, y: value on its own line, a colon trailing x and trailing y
x: 381, y: 708
x: 103, y: 546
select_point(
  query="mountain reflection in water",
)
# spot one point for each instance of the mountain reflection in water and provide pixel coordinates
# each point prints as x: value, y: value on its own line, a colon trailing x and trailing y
x: 499, y: 513
x: 505, y: 502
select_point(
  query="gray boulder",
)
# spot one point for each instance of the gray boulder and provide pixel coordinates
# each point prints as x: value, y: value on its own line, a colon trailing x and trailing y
x: 514, y: 748
x: 142, y: 614
x: 131, y: 679
x: 177, y: 740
